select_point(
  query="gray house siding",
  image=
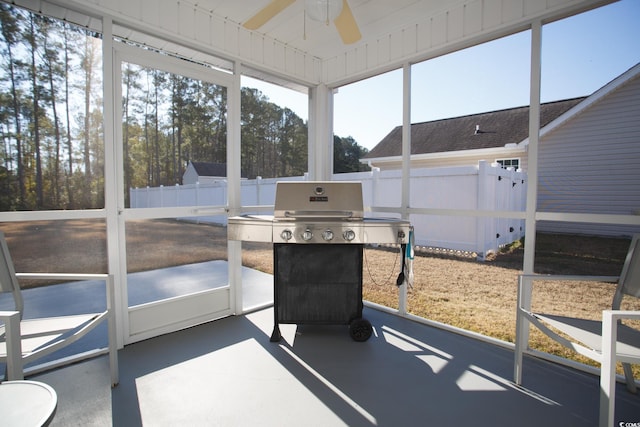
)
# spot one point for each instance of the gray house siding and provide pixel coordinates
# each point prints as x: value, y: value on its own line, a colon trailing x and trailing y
x: 592, y: 164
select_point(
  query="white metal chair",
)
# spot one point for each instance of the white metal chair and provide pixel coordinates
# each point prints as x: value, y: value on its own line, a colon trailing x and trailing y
x: 605, y: 342
x: 22, y: 341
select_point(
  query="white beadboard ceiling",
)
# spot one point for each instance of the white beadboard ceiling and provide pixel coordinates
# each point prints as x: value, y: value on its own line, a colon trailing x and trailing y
x: 303, y: 52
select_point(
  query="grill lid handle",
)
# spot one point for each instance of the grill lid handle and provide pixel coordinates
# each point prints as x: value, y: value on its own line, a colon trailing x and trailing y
x: 318, y: 214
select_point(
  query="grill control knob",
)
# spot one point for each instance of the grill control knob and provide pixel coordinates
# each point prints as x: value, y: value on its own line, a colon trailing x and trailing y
x: 349, y: 235
x: 286, y: 235
x: 327, y: 235
x: 307, y: 235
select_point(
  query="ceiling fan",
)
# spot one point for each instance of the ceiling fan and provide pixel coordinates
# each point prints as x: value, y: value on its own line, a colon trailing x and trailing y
x: 337, y: 11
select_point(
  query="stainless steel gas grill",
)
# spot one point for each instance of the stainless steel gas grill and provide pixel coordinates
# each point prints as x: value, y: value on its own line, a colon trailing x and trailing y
x: 318, y: 232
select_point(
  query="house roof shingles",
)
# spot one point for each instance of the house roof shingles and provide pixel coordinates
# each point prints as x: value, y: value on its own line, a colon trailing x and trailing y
x: 495, y: 129
x: 210, y: 169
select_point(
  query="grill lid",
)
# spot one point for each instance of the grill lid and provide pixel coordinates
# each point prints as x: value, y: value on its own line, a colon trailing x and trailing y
x: 318, y: 200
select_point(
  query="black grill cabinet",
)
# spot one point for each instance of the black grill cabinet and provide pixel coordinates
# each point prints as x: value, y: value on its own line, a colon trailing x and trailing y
x: 319, y: 284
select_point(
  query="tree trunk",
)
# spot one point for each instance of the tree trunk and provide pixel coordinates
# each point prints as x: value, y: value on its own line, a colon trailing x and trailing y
x: 36, y: 114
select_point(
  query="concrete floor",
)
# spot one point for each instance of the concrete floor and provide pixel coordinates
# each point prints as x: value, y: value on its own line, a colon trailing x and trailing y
x: 228, y: 373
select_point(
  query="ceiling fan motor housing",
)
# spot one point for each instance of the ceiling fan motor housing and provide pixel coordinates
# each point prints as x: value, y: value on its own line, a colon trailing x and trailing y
x: 323, y: 10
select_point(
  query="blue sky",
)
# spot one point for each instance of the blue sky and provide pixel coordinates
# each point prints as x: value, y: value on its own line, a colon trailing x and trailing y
x: 579, y: 55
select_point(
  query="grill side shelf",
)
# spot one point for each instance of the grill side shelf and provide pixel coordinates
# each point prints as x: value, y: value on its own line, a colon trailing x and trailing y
x: 250, y: 228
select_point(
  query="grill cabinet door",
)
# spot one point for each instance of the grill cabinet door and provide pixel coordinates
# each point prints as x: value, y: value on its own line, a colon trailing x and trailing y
x: 318, y: 283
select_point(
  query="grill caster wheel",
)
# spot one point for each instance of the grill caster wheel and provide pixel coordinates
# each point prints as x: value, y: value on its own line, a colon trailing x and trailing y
x: 360, y: 329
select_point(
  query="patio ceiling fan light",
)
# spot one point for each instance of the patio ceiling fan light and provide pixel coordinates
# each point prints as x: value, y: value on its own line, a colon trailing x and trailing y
x: 323, y: 10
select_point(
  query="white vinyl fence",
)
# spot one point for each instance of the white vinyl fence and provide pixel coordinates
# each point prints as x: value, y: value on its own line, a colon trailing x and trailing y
x: 484, y: 187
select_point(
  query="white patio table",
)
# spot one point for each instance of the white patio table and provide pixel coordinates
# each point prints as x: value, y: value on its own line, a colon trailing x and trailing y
x: 27, y: 403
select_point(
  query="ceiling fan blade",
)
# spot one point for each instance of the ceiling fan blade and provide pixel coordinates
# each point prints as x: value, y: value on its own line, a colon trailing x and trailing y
x: 346, y: 25
x: 268, y: 12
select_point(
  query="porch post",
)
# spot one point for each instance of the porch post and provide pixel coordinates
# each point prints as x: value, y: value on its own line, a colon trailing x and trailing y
x: 406, y: 163
x: 320, y: 133
x: 534, y: 136
x: 524, y: 300
x: 114, y: 182
x: 234, y: 202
